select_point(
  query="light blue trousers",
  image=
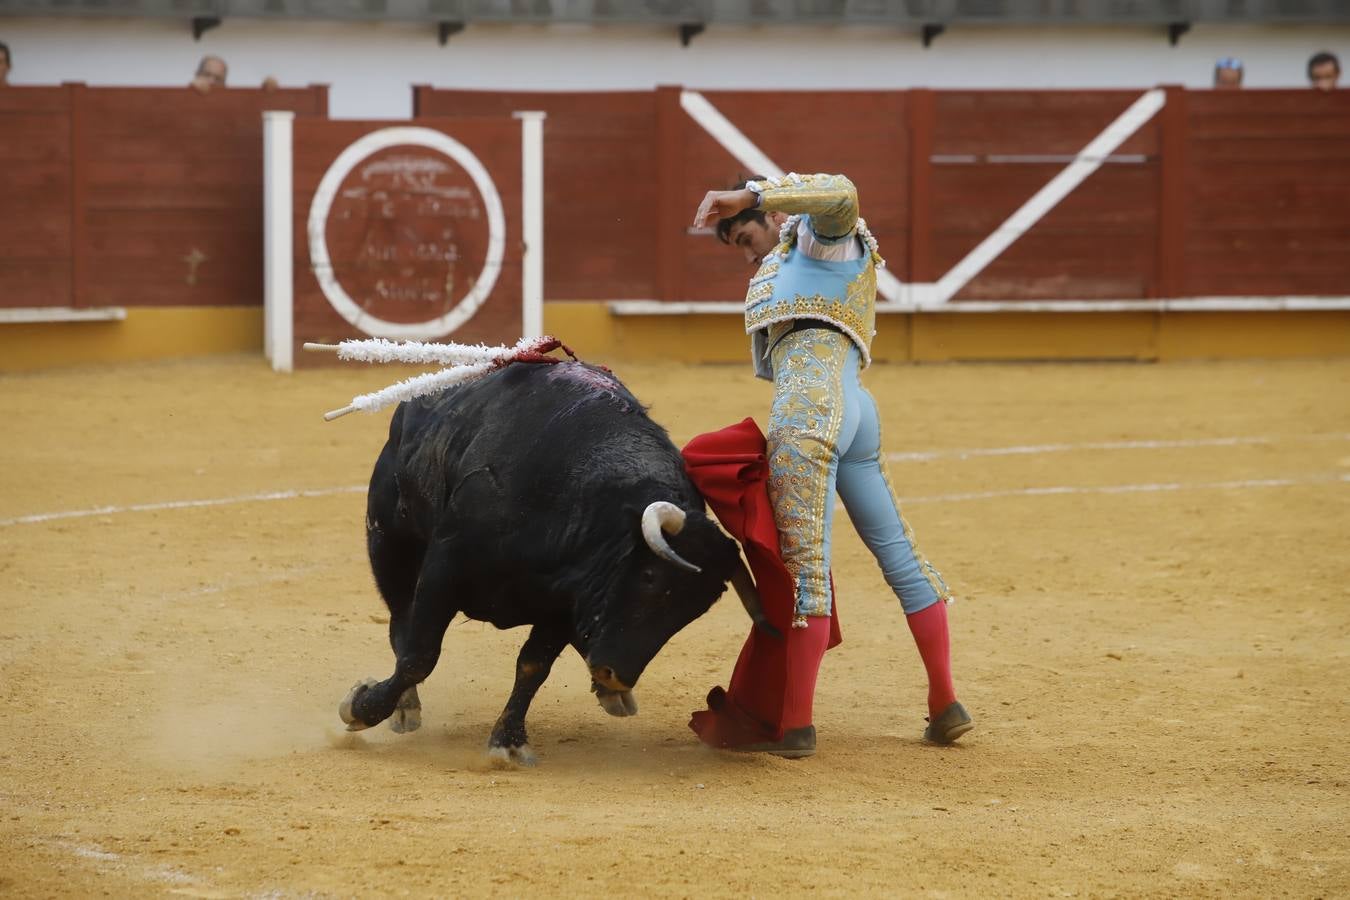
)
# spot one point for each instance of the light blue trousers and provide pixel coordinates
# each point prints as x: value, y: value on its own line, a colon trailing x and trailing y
x: 824, y: 434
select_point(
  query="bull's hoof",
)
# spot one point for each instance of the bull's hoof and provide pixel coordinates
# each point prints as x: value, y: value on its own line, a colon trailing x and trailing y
x: 345, y: 707
x: 520, y: 755
x: 617, y: 703
x: 408, y: 714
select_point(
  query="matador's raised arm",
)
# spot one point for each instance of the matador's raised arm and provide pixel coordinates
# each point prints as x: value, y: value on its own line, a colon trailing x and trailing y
x: 830, y: 200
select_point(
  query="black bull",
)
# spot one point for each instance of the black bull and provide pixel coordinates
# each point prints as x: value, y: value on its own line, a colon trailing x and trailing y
x: 539, y: 495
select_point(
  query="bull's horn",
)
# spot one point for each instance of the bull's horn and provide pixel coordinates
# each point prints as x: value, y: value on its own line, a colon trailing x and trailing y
x: 749, y: 594
x: 658, y: 520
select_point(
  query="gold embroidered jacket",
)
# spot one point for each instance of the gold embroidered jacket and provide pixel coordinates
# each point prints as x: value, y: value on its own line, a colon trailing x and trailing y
x: 792, y: 284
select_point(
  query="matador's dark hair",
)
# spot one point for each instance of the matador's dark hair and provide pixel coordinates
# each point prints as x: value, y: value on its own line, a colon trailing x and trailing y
x: 745, y: 215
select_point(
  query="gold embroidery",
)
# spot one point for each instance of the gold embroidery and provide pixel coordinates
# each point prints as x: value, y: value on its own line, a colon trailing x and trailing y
x: 861, y: 300
x: 759, y: 293
x: 803, y: 434
x: 859, y: 326
x: 766, y: 271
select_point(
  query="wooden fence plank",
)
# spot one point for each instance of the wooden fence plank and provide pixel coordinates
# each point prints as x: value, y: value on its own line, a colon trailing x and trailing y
x: 922, y: 121
x: 1172, y: 205
x: 672, y: 213
x: 79, y: 168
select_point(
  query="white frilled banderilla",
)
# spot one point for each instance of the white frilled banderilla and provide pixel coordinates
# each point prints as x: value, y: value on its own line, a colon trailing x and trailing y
x: 463, y: 363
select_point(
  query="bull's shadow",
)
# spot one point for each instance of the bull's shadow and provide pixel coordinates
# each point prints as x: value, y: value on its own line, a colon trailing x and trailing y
x: 539, y: 495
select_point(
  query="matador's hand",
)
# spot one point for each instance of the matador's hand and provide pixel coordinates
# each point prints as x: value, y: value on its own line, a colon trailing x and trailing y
x: 722, y: 205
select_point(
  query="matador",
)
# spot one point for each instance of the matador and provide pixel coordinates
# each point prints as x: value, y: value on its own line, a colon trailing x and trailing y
x: 810, y: 312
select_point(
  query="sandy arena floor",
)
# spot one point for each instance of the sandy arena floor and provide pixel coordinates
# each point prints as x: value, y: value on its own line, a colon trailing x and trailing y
x: 1153, y: 636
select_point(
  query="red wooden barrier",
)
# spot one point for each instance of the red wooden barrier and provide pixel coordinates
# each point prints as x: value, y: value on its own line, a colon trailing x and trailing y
x: 35, y: 180
x: 153, y: 196
x: 136, y: 196
x: 1219, y: 194
x: 600, y: 193
x: 1268, y: 193
x: 993, y: 150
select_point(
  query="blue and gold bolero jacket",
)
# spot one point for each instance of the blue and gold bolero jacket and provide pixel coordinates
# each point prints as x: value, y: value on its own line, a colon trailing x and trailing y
x: 791, y: 284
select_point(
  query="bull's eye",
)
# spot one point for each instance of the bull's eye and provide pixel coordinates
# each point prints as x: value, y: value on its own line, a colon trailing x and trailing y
x: 648, y: 578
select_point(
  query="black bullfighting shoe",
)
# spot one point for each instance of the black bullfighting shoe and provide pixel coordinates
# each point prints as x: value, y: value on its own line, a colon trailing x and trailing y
x: 949, y: 726
x: 796, y: 744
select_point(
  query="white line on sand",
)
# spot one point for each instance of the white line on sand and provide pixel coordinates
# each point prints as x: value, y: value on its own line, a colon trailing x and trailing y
x: 1061, y: 490
x: 920, y: 456
x: 1034, y: 449
x: 1054, y: 490
x: 181, y: 504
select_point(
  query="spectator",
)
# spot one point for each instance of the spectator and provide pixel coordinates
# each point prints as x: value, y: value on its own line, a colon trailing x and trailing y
x: 270, y: 83
x: 1324, y: 70
x: 211, y: 72
x: 4, y: 65
x: 1228, y: 74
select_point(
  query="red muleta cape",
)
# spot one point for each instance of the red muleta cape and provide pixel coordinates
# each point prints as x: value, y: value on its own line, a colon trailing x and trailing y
x: 774, y: 680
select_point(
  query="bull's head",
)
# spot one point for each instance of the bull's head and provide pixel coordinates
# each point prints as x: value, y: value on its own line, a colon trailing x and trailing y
x: 677, y: 574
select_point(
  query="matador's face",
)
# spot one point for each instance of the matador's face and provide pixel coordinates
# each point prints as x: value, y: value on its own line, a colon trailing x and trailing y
x: 756, y: 239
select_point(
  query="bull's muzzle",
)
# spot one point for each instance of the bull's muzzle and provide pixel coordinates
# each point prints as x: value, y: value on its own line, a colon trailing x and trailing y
x: 604, y: 676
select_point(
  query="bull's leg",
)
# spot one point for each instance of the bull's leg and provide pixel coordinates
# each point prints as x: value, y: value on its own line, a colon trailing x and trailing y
x: 416, y: 636
x: 395, y: 560
x: 509, y: 740
x: 396, y: 563
x: 616, y: 703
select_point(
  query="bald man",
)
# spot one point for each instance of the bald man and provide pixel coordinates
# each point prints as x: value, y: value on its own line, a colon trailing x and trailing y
x: 211, y: 72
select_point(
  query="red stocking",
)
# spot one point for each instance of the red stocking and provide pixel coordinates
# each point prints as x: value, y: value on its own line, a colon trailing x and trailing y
x: 929, y: 626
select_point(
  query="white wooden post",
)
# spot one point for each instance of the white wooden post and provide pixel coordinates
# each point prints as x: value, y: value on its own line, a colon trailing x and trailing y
x: 532, y: 221
x: 278, y: 277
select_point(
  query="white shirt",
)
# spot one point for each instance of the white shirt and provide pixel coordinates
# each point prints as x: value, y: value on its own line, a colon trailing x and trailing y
x: 839, y: 251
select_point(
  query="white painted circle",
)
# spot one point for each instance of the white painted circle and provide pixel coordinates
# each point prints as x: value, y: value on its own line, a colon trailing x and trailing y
x: 322, y: 264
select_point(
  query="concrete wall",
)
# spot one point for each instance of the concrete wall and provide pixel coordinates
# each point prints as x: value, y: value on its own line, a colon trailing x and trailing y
x: 370, y: 66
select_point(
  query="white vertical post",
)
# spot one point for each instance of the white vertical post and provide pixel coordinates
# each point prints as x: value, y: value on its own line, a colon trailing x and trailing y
x: 532, y: 221
x: 278, y: 300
